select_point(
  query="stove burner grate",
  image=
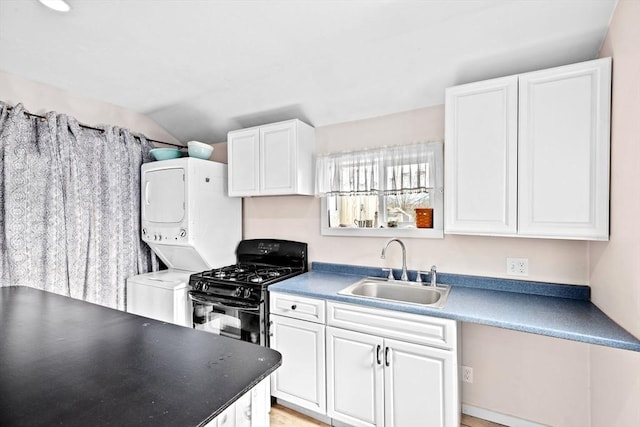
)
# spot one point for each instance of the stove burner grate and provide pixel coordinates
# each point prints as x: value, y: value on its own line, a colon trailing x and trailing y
x: 247, y: 273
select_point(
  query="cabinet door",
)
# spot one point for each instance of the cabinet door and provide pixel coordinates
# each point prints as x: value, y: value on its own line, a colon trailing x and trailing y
x: 278, y: 158
x: 228, y: 417
x: 481, y: 157
x: 243, y: 151
x: 563, y: 168
x: 354, y: 378
x: 243, y: 411
x: 301, y: 378
x: 260, y: 404
x: 420, y: 386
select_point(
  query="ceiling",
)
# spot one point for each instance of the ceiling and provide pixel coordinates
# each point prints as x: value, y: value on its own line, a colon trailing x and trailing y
x: 202, y: 68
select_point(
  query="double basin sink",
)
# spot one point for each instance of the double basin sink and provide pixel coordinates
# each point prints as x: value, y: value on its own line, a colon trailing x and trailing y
x: 398, y: 291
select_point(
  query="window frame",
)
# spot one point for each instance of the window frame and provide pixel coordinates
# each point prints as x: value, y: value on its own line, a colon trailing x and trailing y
x: 436, y: 196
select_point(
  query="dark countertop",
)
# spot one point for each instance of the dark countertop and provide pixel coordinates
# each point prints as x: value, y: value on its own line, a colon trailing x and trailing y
x: 71, y: 363
x: 555, y: 310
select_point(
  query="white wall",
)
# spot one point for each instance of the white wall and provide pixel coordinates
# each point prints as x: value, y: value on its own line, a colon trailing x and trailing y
x: 39, y: 98
x: 510, y: 367
x: 299, y: 217
x: 614, y: 275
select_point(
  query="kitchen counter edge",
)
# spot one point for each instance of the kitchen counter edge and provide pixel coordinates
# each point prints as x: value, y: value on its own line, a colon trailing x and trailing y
x: 554, y: 310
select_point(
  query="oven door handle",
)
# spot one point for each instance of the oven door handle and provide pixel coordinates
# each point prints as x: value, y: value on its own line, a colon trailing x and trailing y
x: 223, y: 304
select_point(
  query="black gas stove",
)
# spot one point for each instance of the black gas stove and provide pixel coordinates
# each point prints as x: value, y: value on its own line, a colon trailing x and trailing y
x: 235, y: 296
x: 261, y: 262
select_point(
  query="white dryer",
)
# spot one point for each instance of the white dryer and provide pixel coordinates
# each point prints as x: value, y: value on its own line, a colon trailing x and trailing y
x: 188, y: 220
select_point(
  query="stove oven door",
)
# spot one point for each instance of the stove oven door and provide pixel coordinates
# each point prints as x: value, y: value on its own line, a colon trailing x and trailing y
x: 228, y: 318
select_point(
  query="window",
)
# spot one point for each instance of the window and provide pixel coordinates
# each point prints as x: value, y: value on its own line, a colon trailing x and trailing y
x: 378, y: 192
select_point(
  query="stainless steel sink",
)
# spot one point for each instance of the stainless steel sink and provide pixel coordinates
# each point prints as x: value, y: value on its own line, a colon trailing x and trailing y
x: 398, y: 291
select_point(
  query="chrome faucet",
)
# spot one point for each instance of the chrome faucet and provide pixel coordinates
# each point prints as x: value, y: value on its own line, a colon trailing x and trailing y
x: 433, y: 275
x: 404, y: 257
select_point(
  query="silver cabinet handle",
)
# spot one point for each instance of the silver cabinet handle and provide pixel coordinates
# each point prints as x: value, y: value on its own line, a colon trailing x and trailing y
x: 386, y: 356
x: 378, y: 348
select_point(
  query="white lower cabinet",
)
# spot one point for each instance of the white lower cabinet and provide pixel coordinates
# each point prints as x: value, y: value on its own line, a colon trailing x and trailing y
x: 367, y: 367
x: 301, y: 377
x: 228, y: 417
x: 243, y: 411
x: 375, y: 380
x: 250, y: 410
x: 417, y: 379
x: 355, y: 377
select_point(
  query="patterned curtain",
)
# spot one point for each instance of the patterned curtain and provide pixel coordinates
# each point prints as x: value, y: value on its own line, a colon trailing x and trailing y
x: 70, y: 206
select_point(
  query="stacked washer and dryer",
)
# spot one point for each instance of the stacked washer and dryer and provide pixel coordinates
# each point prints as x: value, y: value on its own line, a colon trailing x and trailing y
x: 191, y: 224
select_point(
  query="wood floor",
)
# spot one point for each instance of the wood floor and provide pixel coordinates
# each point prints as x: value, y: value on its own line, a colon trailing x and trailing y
x: 285, y: 417
x: 282, y: 416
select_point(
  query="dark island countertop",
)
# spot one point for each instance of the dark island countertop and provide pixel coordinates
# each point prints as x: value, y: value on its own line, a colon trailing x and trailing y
x: 71, y: 363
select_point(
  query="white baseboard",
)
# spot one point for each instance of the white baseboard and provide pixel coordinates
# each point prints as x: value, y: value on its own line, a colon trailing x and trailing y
x: 305, y: 411
x: 312, y: 414
x: 497, y: 417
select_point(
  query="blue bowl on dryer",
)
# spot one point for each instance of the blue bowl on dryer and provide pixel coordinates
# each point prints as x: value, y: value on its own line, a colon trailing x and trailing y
x: 165, y: 153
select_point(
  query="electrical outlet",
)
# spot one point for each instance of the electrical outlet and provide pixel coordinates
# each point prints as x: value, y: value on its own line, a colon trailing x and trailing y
x: 467, y: 374
x: 518, y: 266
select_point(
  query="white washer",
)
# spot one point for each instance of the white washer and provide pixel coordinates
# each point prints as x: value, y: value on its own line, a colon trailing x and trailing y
x: 161, y: 295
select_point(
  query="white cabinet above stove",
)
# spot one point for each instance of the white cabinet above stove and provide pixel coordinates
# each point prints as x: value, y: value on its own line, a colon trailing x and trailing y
x: 273, y: 159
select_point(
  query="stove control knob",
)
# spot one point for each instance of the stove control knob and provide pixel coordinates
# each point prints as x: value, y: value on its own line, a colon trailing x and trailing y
x: 203, y: 286
x: 247, y: 293
x: 183, y: 232
x: 238, y: 292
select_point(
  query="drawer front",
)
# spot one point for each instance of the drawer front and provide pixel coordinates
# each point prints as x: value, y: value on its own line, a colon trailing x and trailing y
x: 297, y: 307
x: 407, y: 327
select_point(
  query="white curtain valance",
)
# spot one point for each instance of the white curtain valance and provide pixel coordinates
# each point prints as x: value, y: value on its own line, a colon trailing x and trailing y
x: 389, y: 170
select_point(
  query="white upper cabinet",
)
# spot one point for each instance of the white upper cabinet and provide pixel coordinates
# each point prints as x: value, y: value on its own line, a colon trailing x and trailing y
x: 243, y: 150
x: 528, y: 155
x: 563, y: 146
x: 274, y: 159
x: 481, y: 138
